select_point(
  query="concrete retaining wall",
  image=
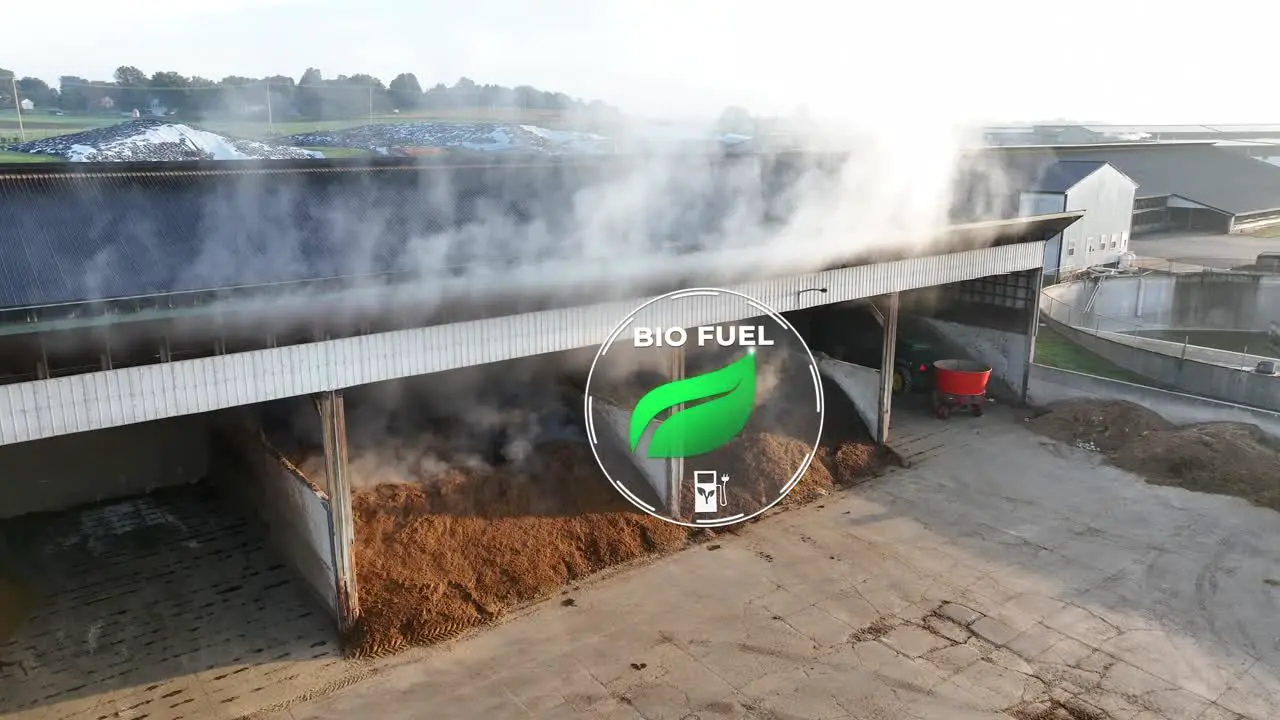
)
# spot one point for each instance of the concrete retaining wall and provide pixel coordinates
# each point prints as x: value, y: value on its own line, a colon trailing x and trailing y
x: 293, y: 511
x: 861, y: 384
x: 1006, y: 352
x: 1189, y: 301
x: 1211, y: 381
x: 62, y: 472
x: 1050, y: 384
x: 615, y: 430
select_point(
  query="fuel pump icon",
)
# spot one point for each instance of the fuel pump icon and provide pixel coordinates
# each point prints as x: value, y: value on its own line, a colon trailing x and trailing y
x: 709, y: 495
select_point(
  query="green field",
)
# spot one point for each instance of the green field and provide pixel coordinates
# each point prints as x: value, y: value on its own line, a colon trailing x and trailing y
x: 13, y: 157
x: 340, y: 152
x: 37, y: 125
x: 1055, y: 350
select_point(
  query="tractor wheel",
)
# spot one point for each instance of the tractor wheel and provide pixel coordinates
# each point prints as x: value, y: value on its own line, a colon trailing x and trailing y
x: 901, y: 381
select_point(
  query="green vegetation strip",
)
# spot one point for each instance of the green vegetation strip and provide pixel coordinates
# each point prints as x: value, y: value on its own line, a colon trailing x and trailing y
x: 1056, y: 350
x: 16, y: 157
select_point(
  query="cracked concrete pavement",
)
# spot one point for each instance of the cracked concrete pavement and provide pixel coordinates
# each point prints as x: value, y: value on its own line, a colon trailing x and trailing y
x: 1001, y: 576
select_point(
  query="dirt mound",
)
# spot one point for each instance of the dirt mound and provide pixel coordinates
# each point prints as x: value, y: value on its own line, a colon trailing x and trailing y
x: 1223, y: 458
x: 1102, y: 425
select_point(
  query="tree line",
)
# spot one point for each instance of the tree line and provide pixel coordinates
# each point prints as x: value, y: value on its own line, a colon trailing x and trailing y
x: 311, y: 97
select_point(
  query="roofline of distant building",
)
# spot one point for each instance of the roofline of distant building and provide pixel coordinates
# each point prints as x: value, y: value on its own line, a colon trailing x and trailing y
x: 1088, y: 147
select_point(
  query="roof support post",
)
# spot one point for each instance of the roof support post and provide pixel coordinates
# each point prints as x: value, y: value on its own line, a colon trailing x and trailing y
x: 675, y: 465
x: 333, y: 423
x: 1033, y: 329
x: 888, y: 359
x: 42, y: 365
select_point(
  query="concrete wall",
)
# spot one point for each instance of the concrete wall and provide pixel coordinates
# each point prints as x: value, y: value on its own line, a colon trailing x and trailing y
x: 861, y: 384
x: 1191, y: 301
x: 293, y: 511
x: 1210, y: 381
x: 1052, y: 385
x: 615, y: 429
x: 62, y: 472
x: 1006, y: 352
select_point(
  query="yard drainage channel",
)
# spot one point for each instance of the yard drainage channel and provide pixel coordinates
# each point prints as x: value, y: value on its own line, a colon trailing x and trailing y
x: 161, y: 606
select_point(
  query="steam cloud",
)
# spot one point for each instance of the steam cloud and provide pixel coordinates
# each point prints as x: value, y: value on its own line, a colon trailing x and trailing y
x: 866, y: 179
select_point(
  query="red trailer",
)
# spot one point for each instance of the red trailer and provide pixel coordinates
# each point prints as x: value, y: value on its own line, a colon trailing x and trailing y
x: 959, y: 383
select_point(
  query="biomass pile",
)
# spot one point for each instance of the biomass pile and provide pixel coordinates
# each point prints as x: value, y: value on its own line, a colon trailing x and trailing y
x: 1101, y: 425
x: 483, y: 137
x: 151, y: 139
x: 452, y: 545
x: 1221, y: 458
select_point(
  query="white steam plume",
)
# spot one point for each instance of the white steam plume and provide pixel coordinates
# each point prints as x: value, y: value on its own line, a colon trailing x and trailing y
x: 888, y: 95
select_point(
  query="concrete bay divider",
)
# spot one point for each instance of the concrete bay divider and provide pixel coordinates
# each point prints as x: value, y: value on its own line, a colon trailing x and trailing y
x: 612, y: 425
x: 1050, y: 384
x: 860, y: 383
x: 293, y: 511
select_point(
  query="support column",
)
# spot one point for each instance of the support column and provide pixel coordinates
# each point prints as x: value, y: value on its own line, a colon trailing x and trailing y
x: 888, y: 356
x: 1033, y: 329
x: 333, y: 423
x: 675, y: 466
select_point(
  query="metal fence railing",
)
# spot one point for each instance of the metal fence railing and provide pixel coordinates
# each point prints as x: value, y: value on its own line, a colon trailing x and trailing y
x: 1101, y: 324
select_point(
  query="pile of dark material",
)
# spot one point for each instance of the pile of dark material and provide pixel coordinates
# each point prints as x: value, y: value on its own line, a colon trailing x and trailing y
x: 476, y: 137
x: 153, y: 139
x: 1223, y: 458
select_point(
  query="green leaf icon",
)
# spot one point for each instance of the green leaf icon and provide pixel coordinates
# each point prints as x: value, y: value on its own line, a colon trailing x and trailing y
x: 730, y: 395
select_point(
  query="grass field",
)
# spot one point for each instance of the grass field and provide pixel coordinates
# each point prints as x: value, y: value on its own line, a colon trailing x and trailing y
x: 37, y: 125
x: 1055, y: 350
x: 1266, y: 232
x: 332, y: 152
x: 12, y: 157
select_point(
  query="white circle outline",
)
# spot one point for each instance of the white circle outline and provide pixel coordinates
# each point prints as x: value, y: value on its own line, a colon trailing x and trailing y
x: 590, y: 420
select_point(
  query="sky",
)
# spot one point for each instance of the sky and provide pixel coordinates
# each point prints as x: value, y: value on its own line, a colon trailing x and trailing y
x: 924, y: 63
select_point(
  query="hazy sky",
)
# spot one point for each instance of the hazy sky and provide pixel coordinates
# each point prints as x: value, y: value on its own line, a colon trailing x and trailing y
x: 1114, y: 60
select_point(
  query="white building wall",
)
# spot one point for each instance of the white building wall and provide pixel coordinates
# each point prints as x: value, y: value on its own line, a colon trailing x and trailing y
x: 1102, y: 235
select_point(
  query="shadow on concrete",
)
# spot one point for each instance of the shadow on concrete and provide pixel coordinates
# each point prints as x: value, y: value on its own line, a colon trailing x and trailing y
x: 160, y: 604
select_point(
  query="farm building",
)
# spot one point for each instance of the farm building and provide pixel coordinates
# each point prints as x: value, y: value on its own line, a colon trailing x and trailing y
x: 1005, y: 184
x: 1181, y: 185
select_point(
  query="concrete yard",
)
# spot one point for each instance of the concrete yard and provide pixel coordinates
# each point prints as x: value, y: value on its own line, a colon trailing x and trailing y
x: 1205, y: 250
x: 1000, y: 576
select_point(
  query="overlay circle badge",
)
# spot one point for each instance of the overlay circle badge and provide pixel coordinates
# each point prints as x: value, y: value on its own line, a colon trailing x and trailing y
x: 719, y: 430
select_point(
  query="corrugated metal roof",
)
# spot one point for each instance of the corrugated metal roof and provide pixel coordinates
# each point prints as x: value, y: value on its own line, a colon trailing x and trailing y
x: 1221, y: 179
x: 91, y: 401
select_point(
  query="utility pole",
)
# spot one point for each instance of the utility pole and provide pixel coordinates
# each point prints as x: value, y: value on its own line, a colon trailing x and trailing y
x: 271, y: 123
x: 17, y: 105
x: 370, y: 104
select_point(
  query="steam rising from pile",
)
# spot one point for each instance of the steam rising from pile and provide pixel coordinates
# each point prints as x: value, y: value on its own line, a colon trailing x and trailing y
x: 477, y: 420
